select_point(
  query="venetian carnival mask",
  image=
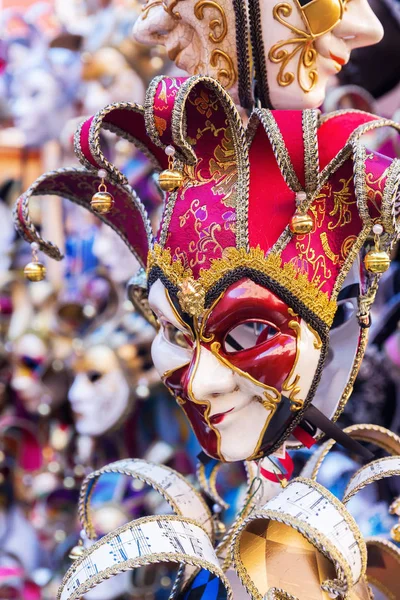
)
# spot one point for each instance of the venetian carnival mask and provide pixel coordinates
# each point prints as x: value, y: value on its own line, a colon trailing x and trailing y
x: 297, y: 44
x: 43, y: 93
x: 99, y: 394
x: 255, y: 278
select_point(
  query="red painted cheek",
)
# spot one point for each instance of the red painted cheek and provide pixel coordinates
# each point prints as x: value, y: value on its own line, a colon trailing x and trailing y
x: 270, y: 363
x: 178, y: 382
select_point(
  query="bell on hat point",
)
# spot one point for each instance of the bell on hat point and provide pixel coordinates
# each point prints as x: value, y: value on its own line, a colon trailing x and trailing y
x: 76, y: 552
x: 377, y: 261
x: 102, y: 202
x: 301, y: 224
x: 35, y: 271
x: 170, y: 180
x: 395, y: 533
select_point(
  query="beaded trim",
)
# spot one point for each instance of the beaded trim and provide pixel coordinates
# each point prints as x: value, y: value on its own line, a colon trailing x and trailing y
x: 239, y: 141
x: 30, y: 233
x: 133, y: 563
x: 374, y: 434
x: 260, y: 63
x: 311, y: 157
x: 126, y: 467
x: 310, y: 532
x: 374, y: 471
x: 242, y: 51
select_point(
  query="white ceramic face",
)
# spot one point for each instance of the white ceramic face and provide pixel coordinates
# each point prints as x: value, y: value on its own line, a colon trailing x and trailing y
x: 236, y: 412
x: 99, y: 395
x: 358, y: 27
x: 29, y: 357
x: 38, y: 107
x: 201, y: 41
x: 188, y: 43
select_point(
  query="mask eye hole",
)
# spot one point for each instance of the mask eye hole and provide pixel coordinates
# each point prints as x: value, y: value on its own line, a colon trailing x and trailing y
x: 94, y: 376
x: 175, y: 336
x: 248, y: 335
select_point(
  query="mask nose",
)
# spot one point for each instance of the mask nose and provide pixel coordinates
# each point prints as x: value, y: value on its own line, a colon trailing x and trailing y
x: 152, y: 25
x: 359, y: 25
x: 80, y: 390
x: 208, y: 378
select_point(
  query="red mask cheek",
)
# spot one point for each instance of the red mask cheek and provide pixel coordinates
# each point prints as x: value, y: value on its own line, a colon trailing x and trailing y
x: 178, y: 383
x: 269, y: 363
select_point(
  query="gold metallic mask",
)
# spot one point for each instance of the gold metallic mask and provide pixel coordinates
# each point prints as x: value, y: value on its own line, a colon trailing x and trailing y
x: 320, y: 17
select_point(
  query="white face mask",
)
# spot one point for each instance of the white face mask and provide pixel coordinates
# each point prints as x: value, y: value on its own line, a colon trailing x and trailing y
x: 38, y: 108
x: 99, y: 395
x: 200, y: 40
x: 329, y: 29
x: 238, y: 414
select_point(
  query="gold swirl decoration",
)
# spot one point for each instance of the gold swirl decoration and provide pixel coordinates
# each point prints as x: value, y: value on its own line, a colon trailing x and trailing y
x: 219, y: 59
x: 226, y: 76
x: 302, y: 43
x: 215, y: 24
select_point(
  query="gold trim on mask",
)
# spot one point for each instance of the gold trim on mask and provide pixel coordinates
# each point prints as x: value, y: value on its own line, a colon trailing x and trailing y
x: 271, y: 265
x: 320, y: 17
x: 296, y: 404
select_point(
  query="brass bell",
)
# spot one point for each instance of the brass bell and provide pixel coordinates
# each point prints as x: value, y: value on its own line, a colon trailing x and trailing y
x: 301, y: 224
x: 219, y: 528
x: 102, y: 202
x: 76, y: 552
x: 377, y: 261
x: 170, y: 180
x: 395, y: 533
x: 35, y: 271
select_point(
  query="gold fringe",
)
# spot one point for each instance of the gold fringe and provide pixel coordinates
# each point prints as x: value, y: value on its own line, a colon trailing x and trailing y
x: 271, y: 265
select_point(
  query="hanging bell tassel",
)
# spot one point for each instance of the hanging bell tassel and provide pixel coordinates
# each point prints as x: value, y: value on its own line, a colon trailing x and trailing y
x: 376, y: 260
x: 77, y: 551
x: 301, y: 223
x: 102, y: 201
x: 35, y: 270
x: 171, y: 179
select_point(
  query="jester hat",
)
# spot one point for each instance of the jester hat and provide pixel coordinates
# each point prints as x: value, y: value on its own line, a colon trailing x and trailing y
x: 229, y: 221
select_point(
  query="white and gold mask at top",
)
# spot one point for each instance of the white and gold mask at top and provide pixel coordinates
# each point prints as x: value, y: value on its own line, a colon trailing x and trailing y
x: 297, y: 44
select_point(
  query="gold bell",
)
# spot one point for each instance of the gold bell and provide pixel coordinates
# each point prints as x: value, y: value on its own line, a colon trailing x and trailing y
x: 219, y: 528
x: 395, y: 533
x: 76, y: 552
x: 301, y: 224
x: 170, y: 179
x: 35, y: 271
x: 377, y: 260
x: 102, y: 201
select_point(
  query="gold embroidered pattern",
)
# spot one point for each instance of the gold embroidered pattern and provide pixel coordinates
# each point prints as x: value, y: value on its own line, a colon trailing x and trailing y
x: 271, y: 265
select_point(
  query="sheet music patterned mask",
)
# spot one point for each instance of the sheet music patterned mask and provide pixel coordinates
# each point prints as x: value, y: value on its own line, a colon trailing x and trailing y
x: 304, y: 43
